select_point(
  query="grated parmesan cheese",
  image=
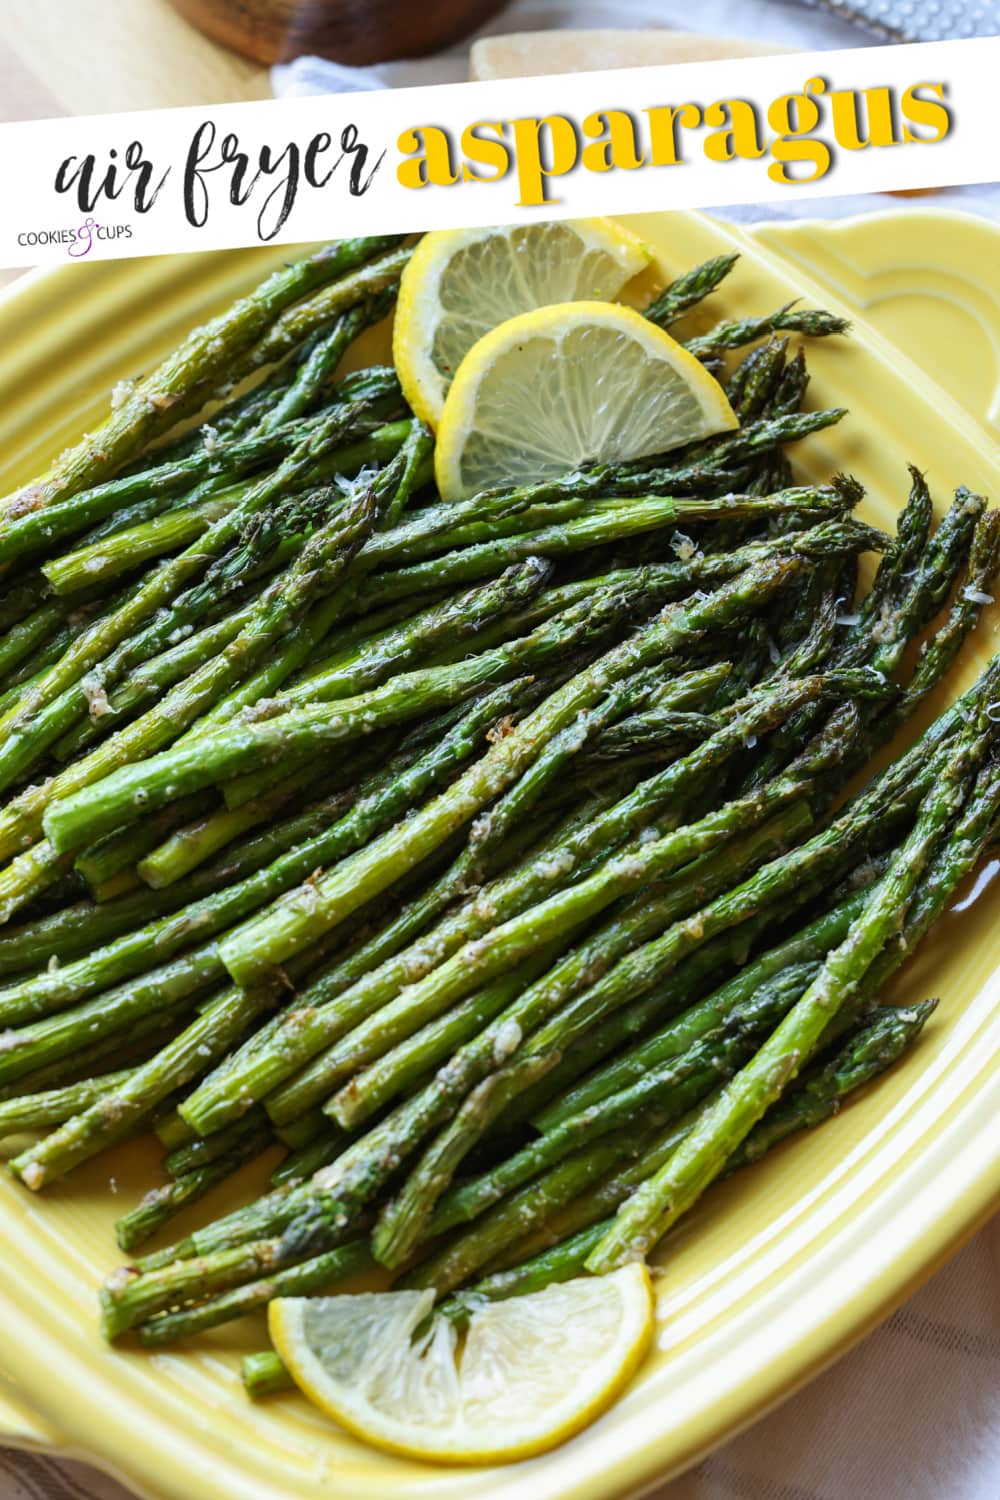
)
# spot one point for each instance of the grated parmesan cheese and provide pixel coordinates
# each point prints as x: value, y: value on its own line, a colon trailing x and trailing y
x: 97, y: 698
x: 506, y: 1041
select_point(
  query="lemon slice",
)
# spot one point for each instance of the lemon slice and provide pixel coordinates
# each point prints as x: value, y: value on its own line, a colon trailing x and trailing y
x: 561, y: 386
x: 460, y: 283
x: 531, y: 1371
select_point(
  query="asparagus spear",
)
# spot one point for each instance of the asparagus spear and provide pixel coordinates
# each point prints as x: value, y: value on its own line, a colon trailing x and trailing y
x: 186, y: 378
x: 208, y: 472
x: 814, y: 323
x: 632, y: 975
x: 687, y: 290
x: 291, y: 738
x: 655, y: 1098
x: 392, y: 958
x: 555, y: 920
x: 809, y: 944
x: 872, y: 1048
x: 523, y: 1211
x: 53, y: 1106
x: 667, y: 1194
x: 504, y: 899
x: 103, y: 562
x: 162, y: 1204
x: 313, y: 1275
x: 385, y: 795
x: 210, y: 1036
x: 755, y: 381
x: 361, y: 1169
x: 594, y: 526
x: 322, y: 357
x: 657, y: 583
x: 392, y: 488
x: 300, y: 1165
x: 282, y: 932
x: 190, y: 1157
x: 300, y: 320
x: 403, y: 1219
x: 26, y: 728
x: 264, y: 1374
x: 510, y: 754
x: 454, y: 619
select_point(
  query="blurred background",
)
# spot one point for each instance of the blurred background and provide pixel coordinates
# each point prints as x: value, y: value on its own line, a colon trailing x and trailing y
x: 70, y: 57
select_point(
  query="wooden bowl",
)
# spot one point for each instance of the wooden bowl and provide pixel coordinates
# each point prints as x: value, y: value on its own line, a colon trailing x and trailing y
x: 356, y: 32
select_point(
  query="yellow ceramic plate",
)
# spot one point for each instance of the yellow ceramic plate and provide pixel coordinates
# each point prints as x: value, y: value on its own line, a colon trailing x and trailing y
x: 780, y: 1269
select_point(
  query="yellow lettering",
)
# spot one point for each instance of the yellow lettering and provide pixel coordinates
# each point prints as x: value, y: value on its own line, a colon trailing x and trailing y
x: 429, y: 153
x: 849, y: 108
x: 484, y: 151
x: 663, y: 122
x: 613, y: 144
x: 792, y: 117
x: 558, y: 137
x: 929, y: 112
x: 739, y: 135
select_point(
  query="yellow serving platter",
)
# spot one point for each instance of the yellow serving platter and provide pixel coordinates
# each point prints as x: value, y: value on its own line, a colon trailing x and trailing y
x: 780, y: 1269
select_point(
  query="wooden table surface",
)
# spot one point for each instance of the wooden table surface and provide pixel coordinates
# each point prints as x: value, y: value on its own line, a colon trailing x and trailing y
x: 79, y: 57
x: 85, y: 57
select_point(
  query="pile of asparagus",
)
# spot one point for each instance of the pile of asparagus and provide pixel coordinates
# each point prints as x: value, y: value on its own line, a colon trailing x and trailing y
x: 491, y: 859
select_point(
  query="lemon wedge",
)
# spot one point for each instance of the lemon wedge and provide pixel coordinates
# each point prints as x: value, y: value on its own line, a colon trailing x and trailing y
x: 460, y: 283
x: 562, y: 386
x: 530, y: 1372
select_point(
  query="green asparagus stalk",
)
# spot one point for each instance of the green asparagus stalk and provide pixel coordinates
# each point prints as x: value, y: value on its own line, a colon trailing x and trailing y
x: 322, y: 359
x: 686, y: 291
x: 636, y: 972
x: 593, y: 527
x: 130, y: 1298
x: 265, y: 1375
x: 453, y: 620
x: 361, y: 1169
x: 115, y: 1114
x: 311, y: 1276
x: 555, y: 920
x: 383, y: 964
x: 160, y: 1205
x: 191, y: 844
x: 666, y: 1195
x: 655, y: 1099
x: 301, y: 320
x: 500, y: 901
x: 403, y: 1219
x: 26, y: 729
x: 194, y: 1154
x: 273, y: 938
x: 321, y: 563
x: 511, y: 754
x: 808, y: 945
x: 301, y: 1164
x: 522, y: 1212
x: 213, y: 472
x: 292, y: 738
x: 186, y: 378
x: 384, y: 796
x: 814, y: 323
x: 870, y: 1050
x: 391, y: 489
x: 755, y: 380
x: 54, y: 1106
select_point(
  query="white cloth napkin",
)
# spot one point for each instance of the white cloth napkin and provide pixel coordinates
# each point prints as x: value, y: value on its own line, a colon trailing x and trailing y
x: 913, y: 1413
